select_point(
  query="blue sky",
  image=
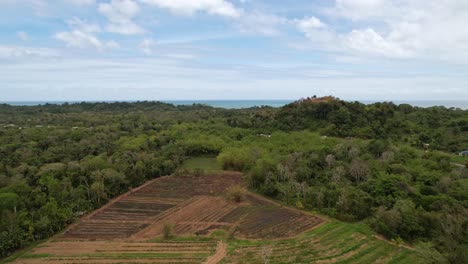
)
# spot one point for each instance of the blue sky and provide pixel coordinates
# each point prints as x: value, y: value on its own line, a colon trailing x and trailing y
x: 233, y: 49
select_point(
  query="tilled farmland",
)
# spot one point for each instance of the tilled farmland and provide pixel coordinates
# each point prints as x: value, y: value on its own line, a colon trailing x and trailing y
x: 123, y: 231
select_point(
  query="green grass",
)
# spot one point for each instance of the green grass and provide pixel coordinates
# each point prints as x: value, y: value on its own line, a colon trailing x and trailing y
x: 459, y: 159
x: 335, y: 241
x: 33, y: 256
x: 183, y: 239
x: 203, y: 163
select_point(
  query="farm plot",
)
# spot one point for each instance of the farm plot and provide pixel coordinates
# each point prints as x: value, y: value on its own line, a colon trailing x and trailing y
x: 275, y: 223
x: 262, y: 218
x: 333, y: 242
x: 256, y: 218
x: 126, y: 230
x: 136, y: 210
x: 199, y: 215
x: 120, y: 252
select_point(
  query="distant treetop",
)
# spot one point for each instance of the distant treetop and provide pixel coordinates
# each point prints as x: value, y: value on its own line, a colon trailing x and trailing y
x: 315, y: 100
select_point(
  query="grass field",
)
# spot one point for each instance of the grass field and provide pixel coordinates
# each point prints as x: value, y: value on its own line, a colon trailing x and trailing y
x: 203, y: 163
x: 333, y: 242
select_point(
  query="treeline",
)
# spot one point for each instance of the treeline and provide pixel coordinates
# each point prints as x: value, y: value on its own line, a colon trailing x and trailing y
x: 48, y: 177
x: 440, y: 127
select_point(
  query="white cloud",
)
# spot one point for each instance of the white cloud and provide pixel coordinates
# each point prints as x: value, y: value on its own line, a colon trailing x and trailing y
x: 260, y: 23
x: 189, y: 7
x: 433, y: 29
x: 362, y: 9
x: 181, y: 56
x: 310, y: 23
x: 137, y: 79
x: 321, y: 35
x: 80, y: 39
x: 370, y: 42
x: 83, y: 25
x: 147, y: 45
x: 19, y: 52
x: 23, y: 35
x: 83, y: 35
x: 120, y: 13
x: 81, y: 2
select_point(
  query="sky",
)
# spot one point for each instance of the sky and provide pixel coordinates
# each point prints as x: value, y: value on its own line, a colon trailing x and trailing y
x: 56, y: 50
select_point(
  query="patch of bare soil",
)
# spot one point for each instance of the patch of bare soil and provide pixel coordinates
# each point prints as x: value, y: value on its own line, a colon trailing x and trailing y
x: 194, y: 205
x: 221, y: 252
x: 199, y: 215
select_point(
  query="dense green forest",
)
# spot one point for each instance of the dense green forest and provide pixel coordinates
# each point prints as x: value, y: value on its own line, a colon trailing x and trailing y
x: 394, y: 167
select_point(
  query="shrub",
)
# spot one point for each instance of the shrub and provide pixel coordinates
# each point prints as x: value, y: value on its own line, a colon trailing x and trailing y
x: 167, y: 230
x: 236, y: 193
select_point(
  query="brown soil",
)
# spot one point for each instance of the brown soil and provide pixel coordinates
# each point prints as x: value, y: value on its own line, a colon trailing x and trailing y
x: 139, y: 208
x: 199, y: 214
x: 221, y: 251
x: 194, y: 205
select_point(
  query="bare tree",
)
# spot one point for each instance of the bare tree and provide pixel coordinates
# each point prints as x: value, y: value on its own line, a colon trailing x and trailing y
x: 343, y: 201
x: 285, y: 173
x: 301, y: 189
x: 266, y: 252
x: 338, y: 174
x: 330, y: 160
x: 359, y: 170
x: 353, y: 153
x: 319, y: 198
x: 387, y: 156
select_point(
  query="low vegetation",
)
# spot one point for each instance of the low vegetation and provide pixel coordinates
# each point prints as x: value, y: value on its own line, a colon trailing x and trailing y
x: 334, y: 242
x: 167, y: 231
x: 236, y: 193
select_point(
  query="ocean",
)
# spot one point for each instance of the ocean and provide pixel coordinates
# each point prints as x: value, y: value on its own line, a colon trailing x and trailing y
x: 238, y: 104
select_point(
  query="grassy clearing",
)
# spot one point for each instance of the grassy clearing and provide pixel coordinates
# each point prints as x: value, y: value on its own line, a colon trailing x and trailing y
x: 334, y: 242
x: 203, y: 163
x: 459, y: 159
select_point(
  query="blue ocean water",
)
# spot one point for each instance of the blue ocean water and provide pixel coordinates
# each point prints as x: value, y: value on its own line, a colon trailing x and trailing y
x: 228, y: 104
x: 237, y: 104
x: 233, y: 104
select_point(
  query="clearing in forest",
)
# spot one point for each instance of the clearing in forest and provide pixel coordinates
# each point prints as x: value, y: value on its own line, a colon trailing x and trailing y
x: 124, y: 230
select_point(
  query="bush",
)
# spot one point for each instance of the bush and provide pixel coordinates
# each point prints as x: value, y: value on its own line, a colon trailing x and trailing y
x: 236, y: 193
x: 238, y: 159
x: 167, y: 230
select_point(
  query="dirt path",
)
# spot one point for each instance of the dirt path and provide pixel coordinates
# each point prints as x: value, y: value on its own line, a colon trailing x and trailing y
x: 221, y: 251
x: 457, y: 164
x: 379, y: 237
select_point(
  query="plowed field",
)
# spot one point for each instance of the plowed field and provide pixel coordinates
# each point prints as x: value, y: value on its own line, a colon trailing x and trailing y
x: 124, y: 230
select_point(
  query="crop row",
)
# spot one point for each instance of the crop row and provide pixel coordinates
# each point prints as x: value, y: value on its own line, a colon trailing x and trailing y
x: 330, y: 243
